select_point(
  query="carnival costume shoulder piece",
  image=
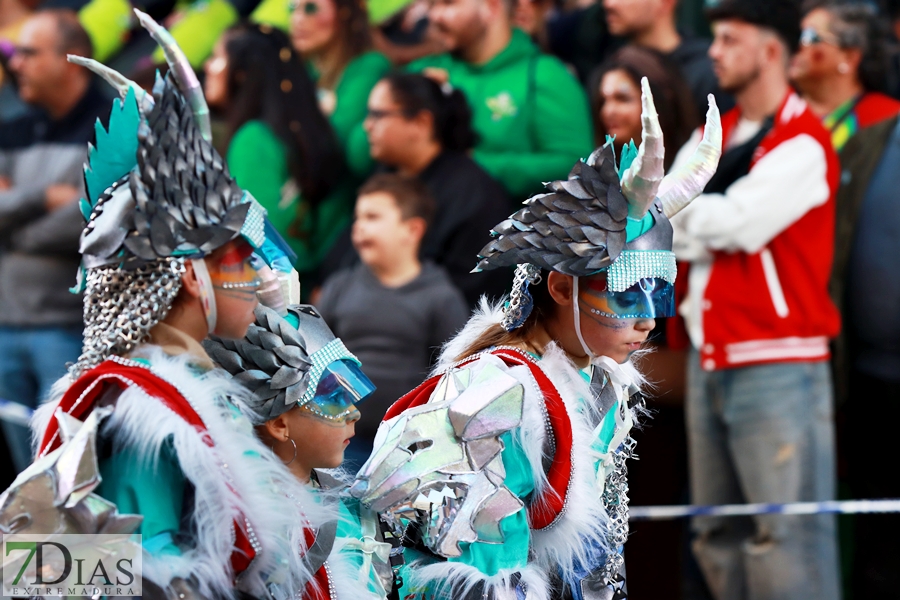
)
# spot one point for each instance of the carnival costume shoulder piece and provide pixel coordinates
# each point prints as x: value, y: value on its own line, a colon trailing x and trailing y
x: 505, y: 471
x: 173, y: 460
x: 295, y: 361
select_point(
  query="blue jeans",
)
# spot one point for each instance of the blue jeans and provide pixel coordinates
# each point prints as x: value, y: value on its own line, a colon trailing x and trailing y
x: 31, y: 360
x: 763, y: 434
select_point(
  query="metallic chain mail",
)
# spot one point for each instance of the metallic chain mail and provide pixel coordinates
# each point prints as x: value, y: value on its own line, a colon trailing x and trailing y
x: 615, y: 501
x: 121, y: 306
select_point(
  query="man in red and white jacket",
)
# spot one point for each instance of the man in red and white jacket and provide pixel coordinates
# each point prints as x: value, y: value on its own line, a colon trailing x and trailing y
x: 760, y: 243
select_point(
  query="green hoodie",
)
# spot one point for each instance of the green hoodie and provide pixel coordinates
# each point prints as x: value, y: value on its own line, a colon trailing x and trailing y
x: 530, y: 113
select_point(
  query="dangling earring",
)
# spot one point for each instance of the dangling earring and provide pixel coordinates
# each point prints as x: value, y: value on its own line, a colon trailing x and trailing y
x: 294, y: 457
x: 843, y: 68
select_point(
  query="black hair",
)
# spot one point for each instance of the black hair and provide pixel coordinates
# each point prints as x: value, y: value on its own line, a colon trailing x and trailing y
x: 780, y: 16
x: 448, y: 106
x: 268, y: 82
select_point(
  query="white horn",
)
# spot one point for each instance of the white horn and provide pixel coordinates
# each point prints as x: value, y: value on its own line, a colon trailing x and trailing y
x: 641, y: 180
x: 688, y: 182
x: 121, y: 83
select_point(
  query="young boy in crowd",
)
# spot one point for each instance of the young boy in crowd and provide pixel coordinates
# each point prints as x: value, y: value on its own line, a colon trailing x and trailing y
x: 392, y: 310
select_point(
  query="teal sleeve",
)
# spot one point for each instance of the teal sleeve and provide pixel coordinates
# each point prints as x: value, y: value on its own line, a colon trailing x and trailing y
x: 155, y: 492
x: 512, y: 553
x: 352, y: 95
x: 561, y: 128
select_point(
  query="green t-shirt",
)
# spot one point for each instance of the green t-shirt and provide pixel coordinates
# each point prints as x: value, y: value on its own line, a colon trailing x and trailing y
x: 530, y: 113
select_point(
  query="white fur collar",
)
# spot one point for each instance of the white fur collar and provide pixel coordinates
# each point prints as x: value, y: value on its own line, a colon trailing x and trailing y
x: 267, y: 493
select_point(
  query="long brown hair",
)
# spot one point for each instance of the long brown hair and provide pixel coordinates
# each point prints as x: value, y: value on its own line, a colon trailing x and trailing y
x: 353, y: 37
x: 544, y: 308
x: 678, y: 116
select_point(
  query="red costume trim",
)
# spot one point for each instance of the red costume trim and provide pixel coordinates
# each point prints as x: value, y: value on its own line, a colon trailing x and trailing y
x: 547, y: 509
x: 319, y: 588
x: 78, y: 401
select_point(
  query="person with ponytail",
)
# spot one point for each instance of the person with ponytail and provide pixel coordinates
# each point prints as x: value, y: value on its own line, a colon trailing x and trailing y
x: 280, y: 146
x: 506, y: 470
x: 422, y: 128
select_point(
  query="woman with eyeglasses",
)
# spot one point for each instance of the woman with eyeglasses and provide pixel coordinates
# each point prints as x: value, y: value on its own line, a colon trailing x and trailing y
x: 281, y: 148
x: 423, y: 129
x: 333, y: 36
x: 841, y: 68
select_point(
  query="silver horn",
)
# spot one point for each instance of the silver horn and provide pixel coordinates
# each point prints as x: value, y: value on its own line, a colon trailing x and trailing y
x: 181, y: 68
x: 641, y: 180
x: 688, y: 182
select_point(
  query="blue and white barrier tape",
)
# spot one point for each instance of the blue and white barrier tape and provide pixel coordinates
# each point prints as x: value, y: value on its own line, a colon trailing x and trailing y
x: 13, y: 412
x: 663, y: 513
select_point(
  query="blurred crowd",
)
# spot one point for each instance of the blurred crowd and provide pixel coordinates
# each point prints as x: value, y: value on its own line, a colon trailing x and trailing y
x: 386, y: 138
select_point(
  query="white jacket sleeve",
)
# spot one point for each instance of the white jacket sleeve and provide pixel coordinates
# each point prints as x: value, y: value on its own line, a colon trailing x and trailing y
x: 782, y: 186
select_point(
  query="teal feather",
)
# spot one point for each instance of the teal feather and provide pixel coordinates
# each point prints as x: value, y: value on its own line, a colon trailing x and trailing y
x: 114, y: 152
x: 629, y: 153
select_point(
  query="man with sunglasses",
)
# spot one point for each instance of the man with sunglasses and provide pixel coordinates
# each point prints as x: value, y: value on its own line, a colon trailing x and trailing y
x: 760, y: 241
x: 840, y: 69
x: 41, y: 157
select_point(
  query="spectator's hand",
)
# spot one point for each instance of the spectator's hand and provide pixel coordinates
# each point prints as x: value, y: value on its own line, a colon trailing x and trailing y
x: 439, y: 76
x: 60, y: 195
x: 5, y: 183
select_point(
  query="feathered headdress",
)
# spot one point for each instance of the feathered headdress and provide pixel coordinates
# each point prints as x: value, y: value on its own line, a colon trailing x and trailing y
x: 158, y: 194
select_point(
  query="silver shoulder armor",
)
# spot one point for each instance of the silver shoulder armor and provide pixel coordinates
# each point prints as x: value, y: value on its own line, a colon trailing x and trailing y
x: 54, y: 494
x: 440, y: 464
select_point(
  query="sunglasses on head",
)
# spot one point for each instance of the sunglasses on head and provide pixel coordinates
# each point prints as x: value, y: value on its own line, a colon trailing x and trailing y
x: 308, y: 8
x: 810, y: 37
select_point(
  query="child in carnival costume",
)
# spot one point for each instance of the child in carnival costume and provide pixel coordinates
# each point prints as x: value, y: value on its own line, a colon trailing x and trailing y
x: 168, y: 257
x: 305, y: 387
x: 505, y: 471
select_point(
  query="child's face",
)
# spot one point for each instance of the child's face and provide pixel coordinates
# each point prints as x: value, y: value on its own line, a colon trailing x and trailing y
x: 617, y: 338
x: 235, y: 284
x: 320, y: 442
x: 380, y: 233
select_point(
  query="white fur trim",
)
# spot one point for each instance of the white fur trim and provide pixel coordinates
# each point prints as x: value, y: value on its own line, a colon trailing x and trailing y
x: 448, y: 580
x: 261, y: 481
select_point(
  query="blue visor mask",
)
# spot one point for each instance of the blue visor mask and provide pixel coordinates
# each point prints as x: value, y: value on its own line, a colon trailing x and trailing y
x: 649, y: 298
x: 342, y: 385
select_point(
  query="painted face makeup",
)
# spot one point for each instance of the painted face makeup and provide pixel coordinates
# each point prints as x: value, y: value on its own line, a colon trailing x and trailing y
x: 234, y: 275
x: 649, y: 298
